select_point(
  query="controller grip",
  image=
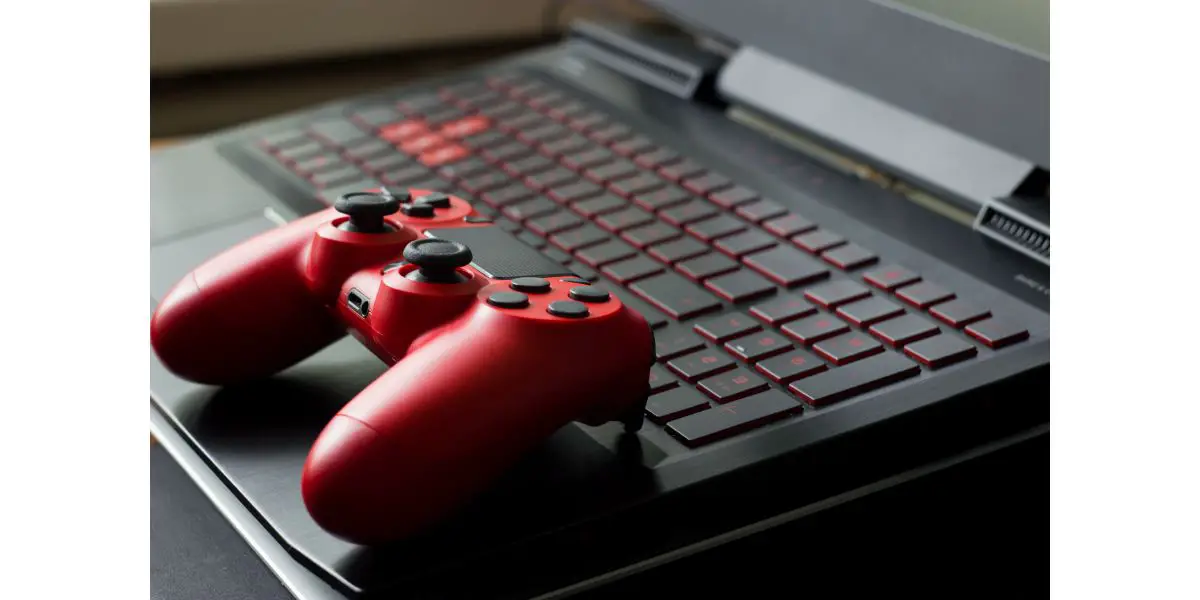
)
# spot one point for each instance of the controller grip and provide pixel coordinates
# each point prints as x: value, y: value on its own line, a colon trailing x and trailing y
x: 461, y: 408
x: 246, y: 313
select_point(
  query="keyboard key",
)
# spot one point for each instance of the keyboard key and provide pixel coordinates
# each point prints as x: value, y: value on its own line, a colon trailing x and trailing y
x: 376, y: 116
x: 791, y: 366
x: 546, y: 99
x: 553, y: 177
x: 505, y: 152
x: 599, y: 205
x: 648, y: 235
x: 368, y: 149
x: 464, y: 127
x: 744, y: 243
x: 502, y: 110
x: 484, y: 140
x: 661, y: 198
x: 697, y: 365
x: 319, y: 162
x: 338, y: 132
x: 716, y: 227
x: 527, y: 166
x: 688, y: 212
x: 755, y: 347
x: 674, y: 403
x: 996, y: 333
x: 610, y: 171
x: 787, y: 266
x: 682, y: 249
x: 637, y: 184
x: 504, y: 196
x: 604, y: 253
x: 837, y: 293
x: 477, y: 184
x: 542, y: 134
x: 731, y: 385
x: 811, y: 330
x: 624, y: 219
x: 587, y: 158
x: 782, y: 309
x: 285, y: 139
x: 568, y: 145
x: 925, y: 294
x: 676, y: 296
x: 890, y: 277
x: 734, y: 196
x: 557, y: 255
x: 389, y: 162
x: 336, y: 176
x: 580, y: 237
x: 904, y: 330
x: 818, y: 241
x: 656, y: 158
x: 632, y: 269
x: 585, y: 272
x: 566, y: 110
x: 941, y: 350
x: 854, y: 379
x: 611, y: 133
x: 721, y: 328
x: 847, y: 348
x: 463, y: 169
x: 443, y: 155
x: 532, y: 239
x: 869, y: 311
x: 554, y: 223
x: 571, y: 192
x: 407, y: 175
x: 850, y: 256
x: 788, y: 225
x: 706, y: 184
x: 421, y: 143
x: 675, y: 342
x: 681, y: 170
x: 959, y: 313
x: 634, y: 145
x: 760, y: 211
x: 733, y: 418
x: 706, y: 265
x: 740, y: 286
x: 443, y: 115
x: 586, y: 121
x: 521, y: 120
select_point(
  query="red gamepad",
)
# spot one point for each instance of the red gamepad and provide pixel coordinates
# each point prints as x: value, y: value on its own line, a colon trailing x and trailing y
x: 493, y: 347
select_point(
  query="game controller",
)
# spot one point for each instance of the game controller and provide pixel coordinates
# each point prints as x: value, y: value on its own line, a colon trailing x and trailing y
x: 492, y: 345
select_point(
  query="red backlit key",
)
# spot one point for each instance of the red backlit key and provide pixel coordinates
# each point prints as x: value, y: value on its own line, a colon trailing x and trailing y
x: 688, y: 212
x: 632, y: 269
x: 890, y: 277
x: 580, y: 237
x: 760, y: 211
x: 638, y: 184
x: 726, y: 327
x: 678, y: 250
x: 730, y: 419
x: 443, y: 155
x: 705, y: 184
x: 603, y: 254
x: 941, y: 350
x: 741, y: 244
x: 421, y: 143
x: 849, y: 256
x: 681, y: 170
x: 660, y: 380
x: 624, y: 219
x: 554, y: 223
x: 647, y: 235
x: 704, y: 363
x: 634, y: 145
x: 924, y: 294
x: 676, y: 296
x: 783, y: 309
x: 837, y: 293
x: 464, y: 127
x: 818, y: 241
x: 787, y: 266
x: 396, y: 133
x: 674, y: 403
x: 529, y: 209
x: 740, y: 286
x: 959, y: 313
x: 755, y: 347
x: 854, y: 379
x: 610, y: 171
x: 734, y: 196
x: 869, y: 311
x: 791, y: 366
x: 847, y: 348
x: 661, y: 198
x: 731, y: 385
x: 676, y: 342
x: 716, y: 227
x: 707, y: 265
x: 656, y: 158
x: 997, y: 333
x: 574, y: 191
x: 813, y: 329
x: 788, y: 225
x: 599, y: 205
x: 904, y: 330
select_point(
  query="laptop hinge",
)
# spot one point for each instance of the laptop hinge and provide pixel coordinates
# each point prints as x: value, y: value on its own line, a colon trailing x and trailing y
x: 672, y: 63
x: 908, y: 146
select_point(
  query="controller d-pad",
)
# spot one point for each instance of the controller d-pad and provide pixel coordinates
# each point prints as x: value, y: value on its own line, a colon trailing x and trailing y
x: 567, y: 308
x: 588, y: 293
x: 434, y: 199
x: 532, y: 285
x: 420, y: 211
x: 508, y: 300
x: 402, y: 195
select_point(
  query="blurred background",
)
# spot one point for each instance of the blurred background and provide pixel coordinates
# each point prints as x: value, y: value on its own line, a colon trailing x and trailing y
x: 217, y: 63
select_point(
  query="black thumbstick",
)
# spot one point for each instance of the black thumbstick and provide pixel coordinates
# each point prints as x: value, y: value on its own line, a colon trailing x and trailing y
x: 437, y: 260
x: 366, y: 211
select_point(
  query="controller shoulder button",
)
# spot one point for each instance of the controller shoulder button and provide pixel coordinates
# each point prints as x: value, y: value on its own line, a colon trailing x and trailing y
x: 533, y: 285
x: 567, y: 308
x: 508, y: 300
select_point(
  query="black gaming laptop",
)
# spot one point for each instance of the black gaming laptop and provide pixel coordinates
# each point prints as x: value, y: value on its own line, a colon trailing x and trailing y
x: 835, y: 214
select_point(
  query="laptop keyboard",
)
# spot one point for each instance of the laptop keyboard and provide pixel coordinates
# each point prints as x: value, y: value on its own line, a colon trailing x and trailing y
x: 760, y: 314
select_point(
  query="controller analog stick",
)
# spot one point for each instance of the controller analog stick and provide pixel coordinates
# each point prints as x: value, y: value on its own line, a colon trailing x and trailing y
x: 437, y: 260
x: 366, y: 211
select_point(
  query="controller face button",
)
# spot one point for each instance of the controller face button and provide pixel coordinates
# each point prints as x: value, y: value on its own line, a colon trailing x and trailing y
x: 588, y: 293
x: 477, y: 219
x: 576, y: 280
x: 508, y: 300
x: 421, y: 211
x: 402, y: 195
x: 567, y: 308
x: 533, y: 285
x: 434, y: 199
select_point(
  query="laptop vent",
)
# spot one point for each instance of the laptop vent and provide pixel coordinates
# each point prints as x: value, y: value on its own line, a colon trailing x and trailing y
x: 1015, y: 233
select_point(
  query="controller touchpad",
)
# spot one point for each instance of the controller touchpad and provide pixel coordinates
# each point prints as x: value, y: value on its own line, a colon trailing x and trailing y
x: 499, y: 255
